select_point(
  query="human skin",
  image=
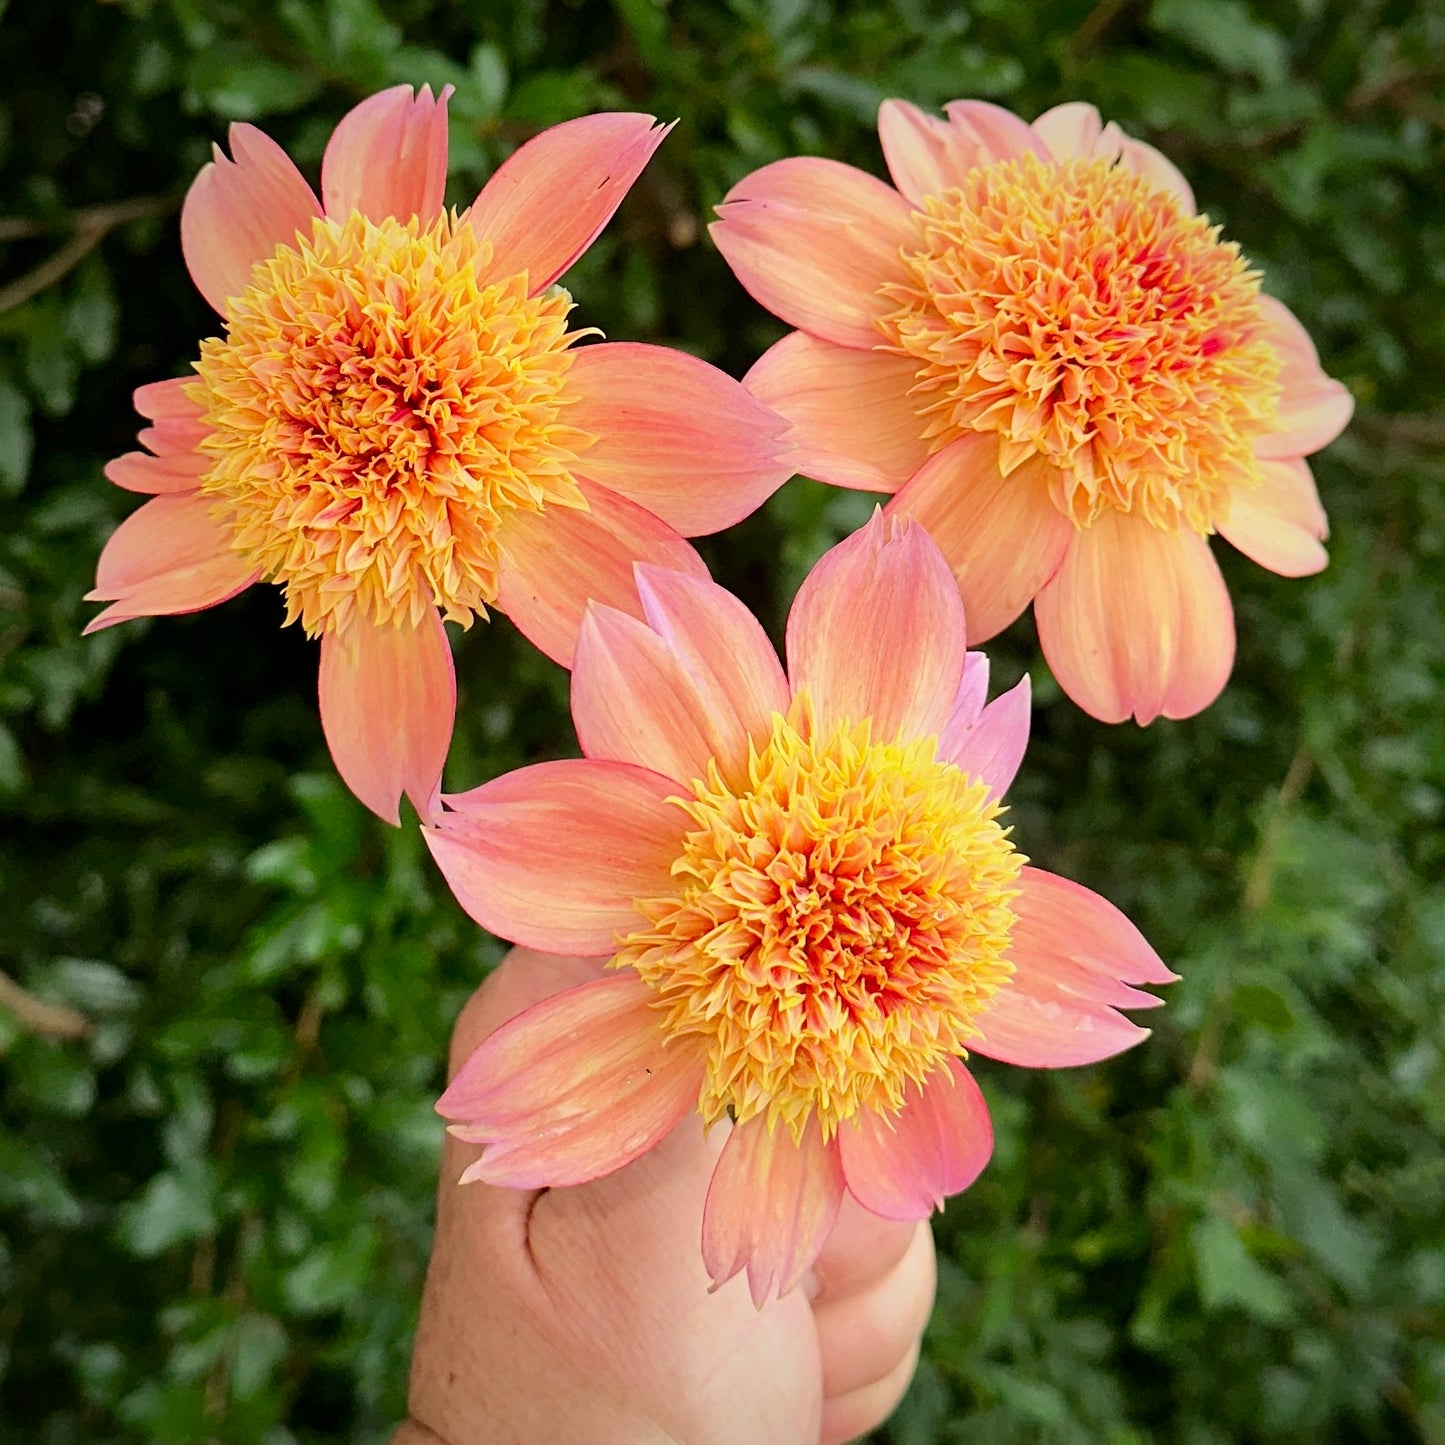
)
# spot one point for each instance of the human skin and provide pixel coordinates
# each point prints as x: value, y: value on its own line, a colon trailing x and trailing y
x: 583, y: 1314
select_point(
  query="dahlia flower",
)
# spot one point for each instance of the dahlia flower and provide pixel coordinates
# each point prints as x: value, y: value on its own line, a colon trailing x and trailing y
x: 397, y: 429
x: 1059, y: 368
x: 807, y: 899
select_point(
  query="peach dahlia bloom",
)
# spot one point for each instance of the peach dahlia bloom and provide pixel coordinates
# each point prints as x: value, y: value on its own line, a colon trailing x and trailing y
x: 397, y: 428
x: 806, y: 895
x: 1059, y: 368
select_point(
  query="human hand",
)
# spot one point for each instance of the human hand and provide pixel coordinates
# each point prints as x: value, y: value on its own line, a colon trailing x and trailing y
x: 583, y: 1314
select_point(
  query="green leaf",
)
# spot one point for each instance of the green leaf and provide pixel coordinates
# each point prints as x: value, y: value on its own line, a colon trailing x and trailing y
x: 1229, y: 1277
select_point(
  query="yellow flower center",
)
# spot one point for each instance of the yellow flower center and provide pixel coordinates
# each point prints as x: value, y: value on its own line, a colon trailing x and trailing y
x: 1082, y: 314
x: 378, y: 406
x: 836, y: 924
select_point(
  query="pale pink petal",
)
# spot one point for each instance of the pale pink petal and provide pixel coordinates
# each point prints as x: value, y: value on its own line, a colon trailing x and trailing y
x: 175, y: 435
x: 1073, y: 130
x: 167, y: 400
x: 770, y: 1206
x: 551, y: 197
x: 1280, y: 524
x: 170, y: 556
x: 692, y: 685
x: 140, y: 472
x: 972, y: 694
x: 985, y: 132
x: 920, y: 150
x: 1137, y: 621
x: 1002, y: 535
x: 992, y: 747
x: 555, y: 562
x: 554, y: 855
x: 877, y: 631
x: 675, y: 435
x: 904, y: 1167
x: 1075, y: 958
x: 572, y: 1088
x: 388, y: 157
x: 238, y: 211
x: 1143, y: 160
x: 1313, y: 408
x: 814, y: 241
x: 388, y: 702
x: 853, y: 423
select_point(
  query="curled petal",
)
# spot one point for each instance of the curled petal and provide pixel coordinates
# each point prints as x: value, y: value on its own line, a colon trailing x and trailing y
x: 814, y: 241
x: 991, y: 747
x: 555, y: 562
x: 170, y: 556
x: 1137, y: 620
x: 1002, y: 535
x: 1075, y: 960
x: 388, y: 157
x: 971, y: 696
x: 904, y: 1167
x: 770, y: 1206
x: 388, y: 702
x: 1313, y: 408
x: 572, y: 1088
x: 853, y: 423
x: 167, y: 400
x: 676, y: 435
x: 922, y: 153
x: 141, y: 472
x: 549, y: 200
x: 876, y: 631
x: 554, y: 855
x: 1280, y: 524
x: 239, y: 210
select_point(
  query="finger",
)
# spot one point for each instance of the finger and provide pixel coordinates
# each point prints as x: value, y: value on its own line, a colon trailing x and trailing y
x: 847, y: 1417
x: 862, y: 1338
x: 861, y: 1248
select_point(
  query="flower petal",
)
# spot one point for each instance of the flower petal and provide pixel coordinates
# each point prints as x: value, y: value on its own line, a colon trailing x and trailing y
x: 141, y: 472
x: 388, y: 157
x: 1075, y: 956
x: 237, y: 212
x: 1070, y: 130
x: 554, y: 563
x: 906, y: 1166
x: 1281, y: 523
x: 972, y: 694
x: 1313, y: 408
x: 388, y: 702
x: 984, y: 132
x: 675, y: 435
x: 853, y: 423
x: 690, y: 686
x: 572, y: 1088
x: 170, y: 556
x: 165, y: 400
x: 876, y: 631
x: 550, y: 198
x: 922, y: 155
x: 992, y: 747
x: 770, y: 1206
x: 1002, y: 535
x: 1143, y: 160
x: 553, y: 855
x: 1137, y: 620
x: 814, y: 241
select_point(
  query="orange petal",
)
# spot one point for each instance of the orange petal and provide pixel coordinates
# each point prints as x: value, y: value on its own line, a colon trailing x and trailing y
x: 852, y: 421
x: 388, y: 157
x: 921, y: 151
x: 553, y: 855
x: 814, y: 241
x: 1137, y: 620
x: 572, y: 1088
x: 388, y: 702
x: 877, y: 631
x: 238, y: 211
x: 141, y: 472
x: 904, y: 1167
x: 168, y: 557
x: 770, y: 1206
x: 555, y: 562
x: 549, y: 200
x: 1313, y: 408
x: 675, y: 435
x: 693, y: 691
x: 166, y: 400
x: 1002, y: 536
x: 1281, y: 523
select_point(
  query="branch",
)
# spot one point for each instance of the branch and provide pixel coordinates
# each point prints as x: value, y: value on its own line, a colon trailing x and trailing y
x: 54, y: 1021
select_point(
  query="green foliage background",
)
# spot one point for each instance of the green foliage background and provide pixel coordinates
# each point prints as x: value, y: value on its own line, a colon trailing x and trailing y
x: 216, y: 1142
